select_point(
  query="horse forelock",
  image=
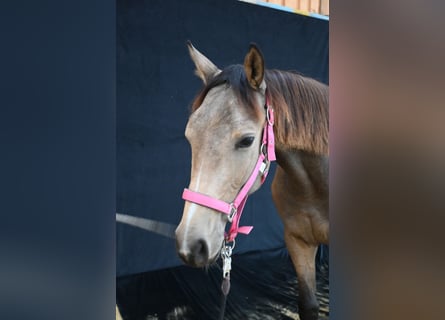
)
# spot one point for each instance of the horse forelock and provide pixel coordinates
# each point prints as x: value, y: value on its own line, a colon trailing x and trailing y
x: 234, y: 77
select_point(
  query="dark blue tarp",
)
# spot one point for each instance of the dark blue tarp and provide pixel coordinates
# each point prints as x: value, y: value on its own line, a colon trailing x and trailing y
x: 155, y: 86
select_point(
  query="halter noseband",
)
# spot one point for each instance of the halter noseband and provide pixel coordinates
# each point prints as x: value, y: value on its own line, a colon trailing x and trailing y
x: 234, y: 209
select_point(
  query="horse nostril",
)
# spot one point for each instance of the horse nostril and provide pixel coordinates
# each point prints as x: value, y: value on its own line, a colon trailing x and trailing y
x: 197, y: 255
x: 200, y: 253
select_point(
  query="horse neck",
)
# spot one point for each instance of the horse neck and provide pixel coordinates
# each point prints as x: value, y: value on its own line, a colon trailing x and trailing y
x: 308, y: 172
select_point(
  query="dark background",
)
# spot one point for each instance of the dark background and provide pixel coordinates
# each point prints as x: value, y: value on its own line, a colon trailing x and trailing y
x: 57, y: 172
x: 155, y: 87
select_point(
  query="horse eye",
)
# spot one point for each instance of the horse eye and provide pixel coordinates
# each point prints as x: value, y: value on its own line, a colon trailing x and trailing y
x: 245, y: 142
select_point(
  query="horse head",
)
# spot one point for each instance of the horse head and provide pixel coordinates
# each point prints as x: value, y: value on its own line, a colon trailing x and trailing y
x: 224, y: 131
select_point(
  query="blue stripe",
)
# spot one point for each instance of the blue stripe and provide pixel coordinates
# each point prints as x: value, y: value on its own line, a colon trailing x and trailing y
x: 319, y: 16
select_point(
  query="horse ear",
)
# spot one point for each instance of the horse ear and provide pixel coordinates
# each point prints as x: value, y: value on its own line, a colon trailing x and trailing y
x: 254, y: 67
x: 205, y: 69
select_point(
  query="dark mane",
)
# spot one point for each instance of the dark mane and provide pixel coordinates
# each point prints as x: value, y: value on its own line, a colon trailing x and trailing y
x: 300, y: 105
x: 301, y: 108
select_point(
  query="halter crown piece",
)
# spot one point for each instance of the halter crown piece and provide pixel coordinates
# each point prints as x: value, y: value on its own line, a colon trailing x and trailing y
x: 234, y: 209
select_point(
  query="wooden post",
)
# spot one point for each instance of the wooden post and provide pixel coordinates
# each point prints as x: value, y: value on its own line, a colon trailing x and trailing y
x: 291, y: 4
x: 324, y: 7
x: 317, y: 6
x: 304, y: 5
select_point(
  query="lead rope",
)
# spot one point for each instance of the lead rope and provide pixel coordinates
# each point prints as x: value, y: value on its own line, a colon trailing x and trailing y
x: 226, y: 255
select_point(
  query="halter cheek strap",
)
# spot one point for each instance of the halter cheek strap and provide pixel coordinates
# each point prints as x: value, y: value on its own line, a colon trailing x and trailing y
x: 234, y: 209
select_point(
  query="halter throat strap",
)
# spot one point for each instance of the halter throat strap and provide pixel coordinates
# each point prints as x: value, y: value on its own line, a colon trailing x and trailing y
x: 234, y: 209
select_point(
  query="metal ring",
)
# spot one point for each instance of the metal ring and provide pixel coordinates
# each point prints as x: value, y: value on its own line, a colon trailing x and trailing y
x: 226, y: 244
x: 263, y: 149
x: 233, y: 246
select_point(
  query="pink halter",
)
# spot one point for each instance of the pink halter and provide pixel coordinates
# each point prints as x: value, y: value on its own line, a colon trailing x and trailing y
x: 234, y: 209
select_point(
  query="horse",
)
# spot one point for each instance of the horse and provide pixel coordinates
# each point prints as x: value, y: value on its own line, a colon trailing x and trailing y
x: 225, y: 130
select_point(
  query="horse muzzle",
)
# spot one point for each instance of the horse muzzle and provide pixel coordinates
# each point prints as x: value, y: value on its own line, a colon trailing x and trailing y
x: 196, y: 255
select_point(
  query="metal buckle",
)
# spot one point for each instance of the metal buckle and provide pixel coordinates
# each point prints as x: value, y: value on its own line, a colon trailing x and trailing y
x: 226, y: 255
x: 232, y: 213
x: 264, y: 168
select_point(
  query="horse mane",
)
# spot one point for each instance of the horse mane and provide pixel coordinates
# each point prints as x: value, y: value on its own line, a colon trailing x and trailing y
x: 301, y: 109
x: 300, y: 105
